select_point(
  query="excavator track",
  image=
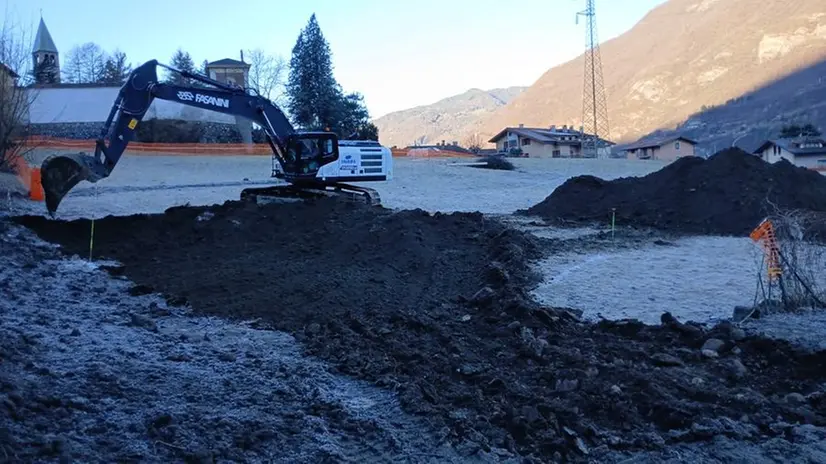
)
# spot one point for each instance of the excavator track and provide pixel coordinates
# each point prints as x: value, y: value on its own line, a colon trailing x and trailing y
x: 292, y: 193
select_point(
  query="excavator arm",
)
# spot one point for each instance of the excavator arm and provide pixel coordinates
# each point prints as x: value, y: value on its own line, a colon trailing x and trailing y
x: 301, y: 154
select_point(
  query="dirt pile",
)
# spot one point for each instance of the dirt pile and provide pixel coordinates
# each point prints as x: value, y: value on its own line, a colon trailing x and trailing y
x: 727, y: 194
x: 434, y: 308
x: 498, y: 163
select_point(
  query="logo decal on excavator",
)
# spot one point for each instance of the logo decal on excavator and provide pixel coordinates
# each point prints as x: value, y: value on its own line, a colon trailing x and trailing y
x: 203, y: 99
x: 133, y: 123
x: 210, y: 100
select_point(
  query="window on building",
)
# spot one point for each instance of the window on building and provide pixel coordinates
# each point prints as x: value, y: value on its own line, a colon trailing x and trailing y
x: 526, y: 142
x: 676, y: 145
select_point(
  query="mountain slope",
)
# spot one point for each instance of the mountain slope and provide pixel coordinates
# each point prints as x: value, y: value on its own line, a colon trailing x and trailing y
x: 750, y: 120
x: 450, y: 119
x: 683, y: 56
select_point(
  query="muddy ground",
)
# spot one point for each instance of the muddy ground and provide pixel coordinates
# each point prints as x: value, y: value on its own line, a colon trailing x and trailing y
x: 435, y: 308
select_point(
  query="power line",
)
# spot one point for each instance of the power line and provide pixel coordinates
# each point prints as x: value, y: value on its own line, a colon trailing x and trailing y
x: 594, y: 101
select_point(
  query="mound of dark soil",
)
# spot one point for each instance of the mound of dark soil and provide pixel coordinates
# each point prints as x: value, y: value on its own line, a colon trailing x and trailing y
x: 727, y: 194
x: 498, y: 163
x: 435, y: 308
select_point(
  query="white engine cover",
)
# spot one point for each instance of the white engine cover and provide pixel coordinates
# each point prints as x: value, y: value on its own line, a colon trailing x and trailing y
x: 359, y: 161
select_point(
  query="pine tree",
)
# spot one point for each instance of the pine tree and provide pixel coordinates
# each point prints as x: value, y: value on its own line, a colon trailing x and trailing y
x: 807, y: 130
x: 183, y: 62
x: 353, y: 119
x: 315, y: 99
x: 313, y: 93
x: 116, y: 69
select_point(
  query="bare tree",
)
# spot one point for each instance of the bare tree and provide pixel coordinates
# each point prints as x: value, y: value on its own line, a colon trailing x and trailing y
x: 266, y: 75
x: 116, y: 69
x: 474, y: 143
x: 15, y: 99
x: 85, y: 64
x: 791, y: 261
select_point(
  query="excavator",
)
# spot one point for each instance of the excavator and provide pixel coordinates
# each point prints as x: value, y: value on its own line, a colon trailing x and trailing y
x: 312, y: 163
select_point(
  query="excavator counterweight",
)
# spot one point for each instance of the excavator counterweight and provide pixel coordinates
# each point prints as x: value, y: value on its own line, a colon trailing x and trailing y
x: 312, y: 163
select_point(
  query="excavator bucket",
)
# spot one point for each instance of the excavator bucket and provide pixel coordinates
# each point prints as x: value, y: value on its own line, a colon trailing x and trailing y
x: 60, y: 174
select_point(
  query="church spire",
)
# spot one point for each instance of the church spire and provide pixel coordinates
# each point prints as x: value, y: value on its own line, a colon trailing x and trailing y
x: 45, y: 57
x: 43, y: 40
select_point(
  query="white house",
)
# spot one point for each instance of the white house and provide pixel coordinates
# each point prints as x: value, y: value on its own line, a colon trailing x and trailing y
x: 668, y: 148
x: 551, y: 142
x: 808, y: 152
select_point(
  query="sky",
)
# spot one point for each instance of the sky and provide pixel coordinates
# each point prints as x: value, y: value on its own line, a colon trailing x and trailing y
x: 398, y: 54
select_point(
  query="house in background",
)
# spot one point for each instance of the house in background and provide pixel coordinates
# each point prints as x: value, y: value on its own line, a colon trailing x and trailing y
x: 551, y: 142
x: 229, y: 71
x: 8, y: 78
x: 807, y: 152
x: 233, y: 72
x: 668, y: 148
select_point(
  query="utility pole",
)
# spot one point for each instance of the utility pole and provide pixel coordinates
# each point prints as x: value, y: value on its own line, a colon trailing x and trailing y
x: 594, y: 101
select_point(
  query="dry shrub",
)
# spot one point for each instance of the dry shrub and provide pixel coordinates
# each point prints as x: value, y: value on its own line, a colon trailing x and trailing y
x: 801, y: 240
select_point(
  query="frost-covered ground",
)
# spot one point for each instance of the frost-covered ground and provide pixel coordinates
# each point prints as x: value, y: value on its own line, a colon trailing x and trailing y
x: 701, y: 278
x: 92, y: 373
x: 153, y: 183
x: 696, y: 278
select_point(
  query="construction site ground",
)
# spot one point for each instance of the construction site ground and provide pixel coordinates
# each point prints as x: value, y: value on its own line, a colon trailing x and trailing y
x: 440, y: 328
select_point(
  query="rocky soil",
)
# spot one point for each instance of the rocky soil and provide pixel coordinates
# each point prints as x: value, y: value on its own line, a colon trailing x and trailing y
x: 94, y: 370
x: 727, y: 194
x: 435, y: 309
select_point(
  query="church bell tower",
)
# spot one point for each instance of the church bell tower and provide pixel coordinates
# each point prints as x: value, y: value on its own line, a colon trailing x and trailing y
x: 45, y: 57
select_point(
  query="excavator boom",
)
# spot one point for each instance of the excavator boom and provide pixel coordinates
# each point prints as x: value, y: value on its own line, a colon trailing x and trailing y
x: 300, y: 154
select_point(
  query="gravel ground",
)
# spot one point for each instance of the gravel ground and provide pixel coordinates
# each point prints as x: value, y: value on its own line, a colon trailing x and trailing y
x: 89, y: 372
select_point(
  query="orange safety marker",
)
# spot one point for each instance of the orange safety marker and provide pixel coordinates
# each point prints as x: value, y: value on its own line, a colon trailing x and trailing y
x: 36, y: 192
x: 765, y: 233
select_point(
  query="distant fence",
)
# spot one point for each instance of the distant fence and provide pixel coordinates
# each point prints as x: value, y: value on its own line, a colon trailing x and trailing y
x: 157, y: 148
x: 218, y: 149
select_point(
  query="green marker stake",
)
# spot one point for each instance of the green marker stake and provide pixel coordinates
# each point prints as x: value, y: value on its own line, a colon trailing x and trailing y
x: 91, y: 240
x: 613, y: 221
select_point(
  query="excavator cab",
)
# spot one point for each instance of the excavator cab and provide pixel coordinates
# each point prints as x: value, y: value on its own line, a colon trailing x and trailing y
x: 307, y: 152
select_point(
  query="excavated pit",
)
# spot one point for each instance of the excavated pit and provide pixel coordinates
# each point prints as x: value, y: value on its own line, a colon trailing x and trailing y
x: 727, y: 194
x: 434, y: 307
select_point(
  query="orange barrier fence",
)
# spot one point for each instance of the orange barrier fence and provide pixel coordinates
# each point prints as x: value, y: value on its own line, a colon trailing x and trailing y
x: 431, y: 153
x: 157, y: 148
x: 259, y: 149
x: 765, y: 233
x: 30, y: 178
